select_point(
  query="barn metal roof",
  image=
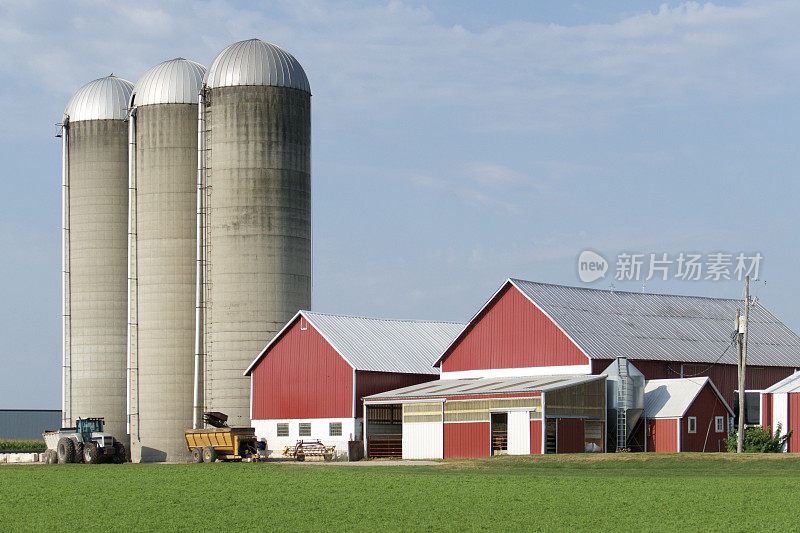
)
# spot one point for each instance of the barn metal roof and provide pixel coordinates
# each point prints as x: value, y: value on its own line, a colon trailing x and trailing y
x: 256, y: 62
x: 662, y: 327
x: 789, y: 384
x: 102, y: 99
x: 176, y: 81
x: 379, y: 344
x: 484, y: 386
x: 671, y: 398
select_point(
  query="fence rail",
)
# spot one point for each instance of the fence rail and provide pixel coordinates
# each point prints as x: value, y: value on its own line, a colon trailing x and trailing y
x: 385, y: 445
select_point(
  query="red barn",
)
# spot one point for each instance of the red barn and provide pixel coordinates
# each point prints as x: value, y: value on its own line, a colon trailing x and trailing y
x: 309, y: 381
x: 780, y: 407
x: 529, y: 328
x: 685, y: 415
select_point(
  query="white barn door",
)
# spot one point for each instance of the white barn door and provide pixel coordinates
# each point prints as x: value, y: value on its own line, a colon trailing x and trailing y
x: 780, y: 413
x: 519, y: 433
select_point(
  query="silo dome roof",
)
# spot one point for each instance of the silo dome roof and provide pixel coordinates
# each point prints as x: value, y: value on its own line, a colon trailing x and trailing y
x: 176, y: 81
x: 103, y: 98
x: 256, y: 62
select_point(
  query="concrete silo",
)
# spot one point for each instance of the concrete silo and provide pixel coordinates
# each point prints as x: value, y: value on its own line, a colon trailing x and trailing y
x: 95, y: 194
x: 163, y: 215
x: 256, y: 174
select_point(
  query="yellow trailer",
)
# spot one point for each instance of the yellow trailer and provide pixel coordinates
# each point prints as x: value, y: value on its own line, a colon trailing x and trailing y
x: 223, y: 444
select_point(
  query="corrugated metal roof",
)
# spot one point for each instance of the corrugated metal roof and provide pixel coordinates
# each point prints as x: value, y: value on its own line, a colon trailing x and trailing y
x: 101, y: 99
x: 670, y: 398
x: 790, y: 384
x: 484, y: 386
x: 379, y: 344
x: 256, y: 62
x: 176, y: 81
x: 662, y: 327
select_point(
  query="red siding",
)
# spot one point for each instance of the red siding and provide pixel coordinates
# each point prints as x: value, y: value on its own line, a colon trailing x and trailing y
x: 467, y: 440
x: 794, y: 422
x: 725, y: 377
x: 511, y: 332
x: 705, y: 407
x: 662, y: 435
x: 302, y: 377
x: 570, y: 435
x: 536, y: 436
x: 766, y: 412
x: 375, y: 382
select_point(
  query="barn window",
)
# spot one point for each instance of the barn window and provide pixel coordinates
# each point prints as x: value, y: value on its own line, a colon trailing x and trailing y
x: 283, y: 429
x: 719, y: 424
x: 335, y: 429
x: 305, y: 429
x: 692, y: 424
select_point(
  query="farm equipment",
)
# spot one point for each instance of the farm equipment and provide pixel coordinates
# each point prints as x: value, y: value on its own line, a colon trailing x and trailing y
x: 222, y: 444
x: 311, y: 448
x: 84, y: 443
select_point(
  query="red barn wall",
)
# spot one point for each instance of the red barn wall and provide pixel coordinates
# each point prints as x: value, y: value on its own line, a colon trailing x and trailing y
x: 662, y: 435
x: 368, y: 383
x: 467, y: 440
x: 302, y: 377
x: 766, y: 412
x: 794, y: 422
x: 536, y: 436
x: 570, y: 436
x: 725, y: 377
x: 705, y: 407
x: 512, y: 333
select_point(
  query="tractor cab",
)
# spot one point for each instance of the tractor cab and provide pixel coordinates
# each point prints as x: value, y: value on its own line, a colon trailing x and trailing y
x: 87, y: 426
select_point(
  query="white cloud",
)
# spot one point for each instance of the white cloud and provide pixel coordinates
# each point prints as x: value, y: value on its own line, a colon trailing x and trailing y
x: 387, y: 58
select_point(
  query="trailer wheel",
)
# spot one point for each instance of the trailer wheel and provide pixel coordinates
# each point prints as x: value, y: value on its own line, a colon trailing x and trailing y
x: 119, y: 453
x: 197, y: 455
x: 66, y: 450
x: 209, y: 454
x: 91, y: 453
x: 49, y: 457
x: 78, y: 452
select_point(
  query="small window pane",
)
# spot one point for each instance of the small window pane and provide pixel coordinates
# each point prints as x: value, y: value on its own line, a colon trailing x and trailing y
x: 719, y: 424
x: 692, y: 424
x: 283, y: 430
x: 305, y: 429
x: 336, y: 429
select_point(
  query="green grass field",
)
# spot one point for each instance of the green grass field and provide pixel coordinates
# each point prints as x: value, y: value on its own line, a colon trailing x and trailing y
x: 630, y: 492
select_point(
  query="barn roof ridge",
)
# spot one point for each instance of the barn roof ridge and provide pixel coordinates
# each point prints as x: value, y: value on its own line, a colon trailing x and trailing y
x: 377, y: 344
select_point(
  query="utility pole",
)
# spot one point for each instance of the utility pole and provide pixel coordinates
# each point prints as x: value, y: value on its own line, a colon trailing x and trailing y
x: 741, y: 337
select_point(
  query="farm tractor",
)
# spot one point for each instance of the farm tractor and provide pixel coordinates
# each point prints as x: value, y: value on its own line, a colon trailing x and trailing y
x: 85, y: 443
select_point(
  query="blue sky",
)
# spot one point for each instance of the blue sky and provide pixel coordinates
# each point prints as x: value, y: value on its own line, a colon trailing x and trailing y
x: 454, y: 144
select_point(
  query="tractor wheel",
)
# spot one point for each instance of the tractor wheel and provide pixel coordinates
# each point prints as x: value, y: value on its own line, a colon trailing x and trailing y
x: 78, y: 452
x: 91, y: 453
x: 209, y: 454
x: 119, y: 453
x: 66, y: 450
x: 197, y: 455
x: 301, y: 457
x: 50, y: 457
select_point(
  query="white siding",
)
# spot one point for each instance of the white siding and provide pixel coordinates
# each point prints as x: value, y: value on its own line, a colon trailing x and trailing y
x: 423, y: 440
x: 320, y: 429
x: 517, y: 372
x: 780, y: 413
x: 519, y: 433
